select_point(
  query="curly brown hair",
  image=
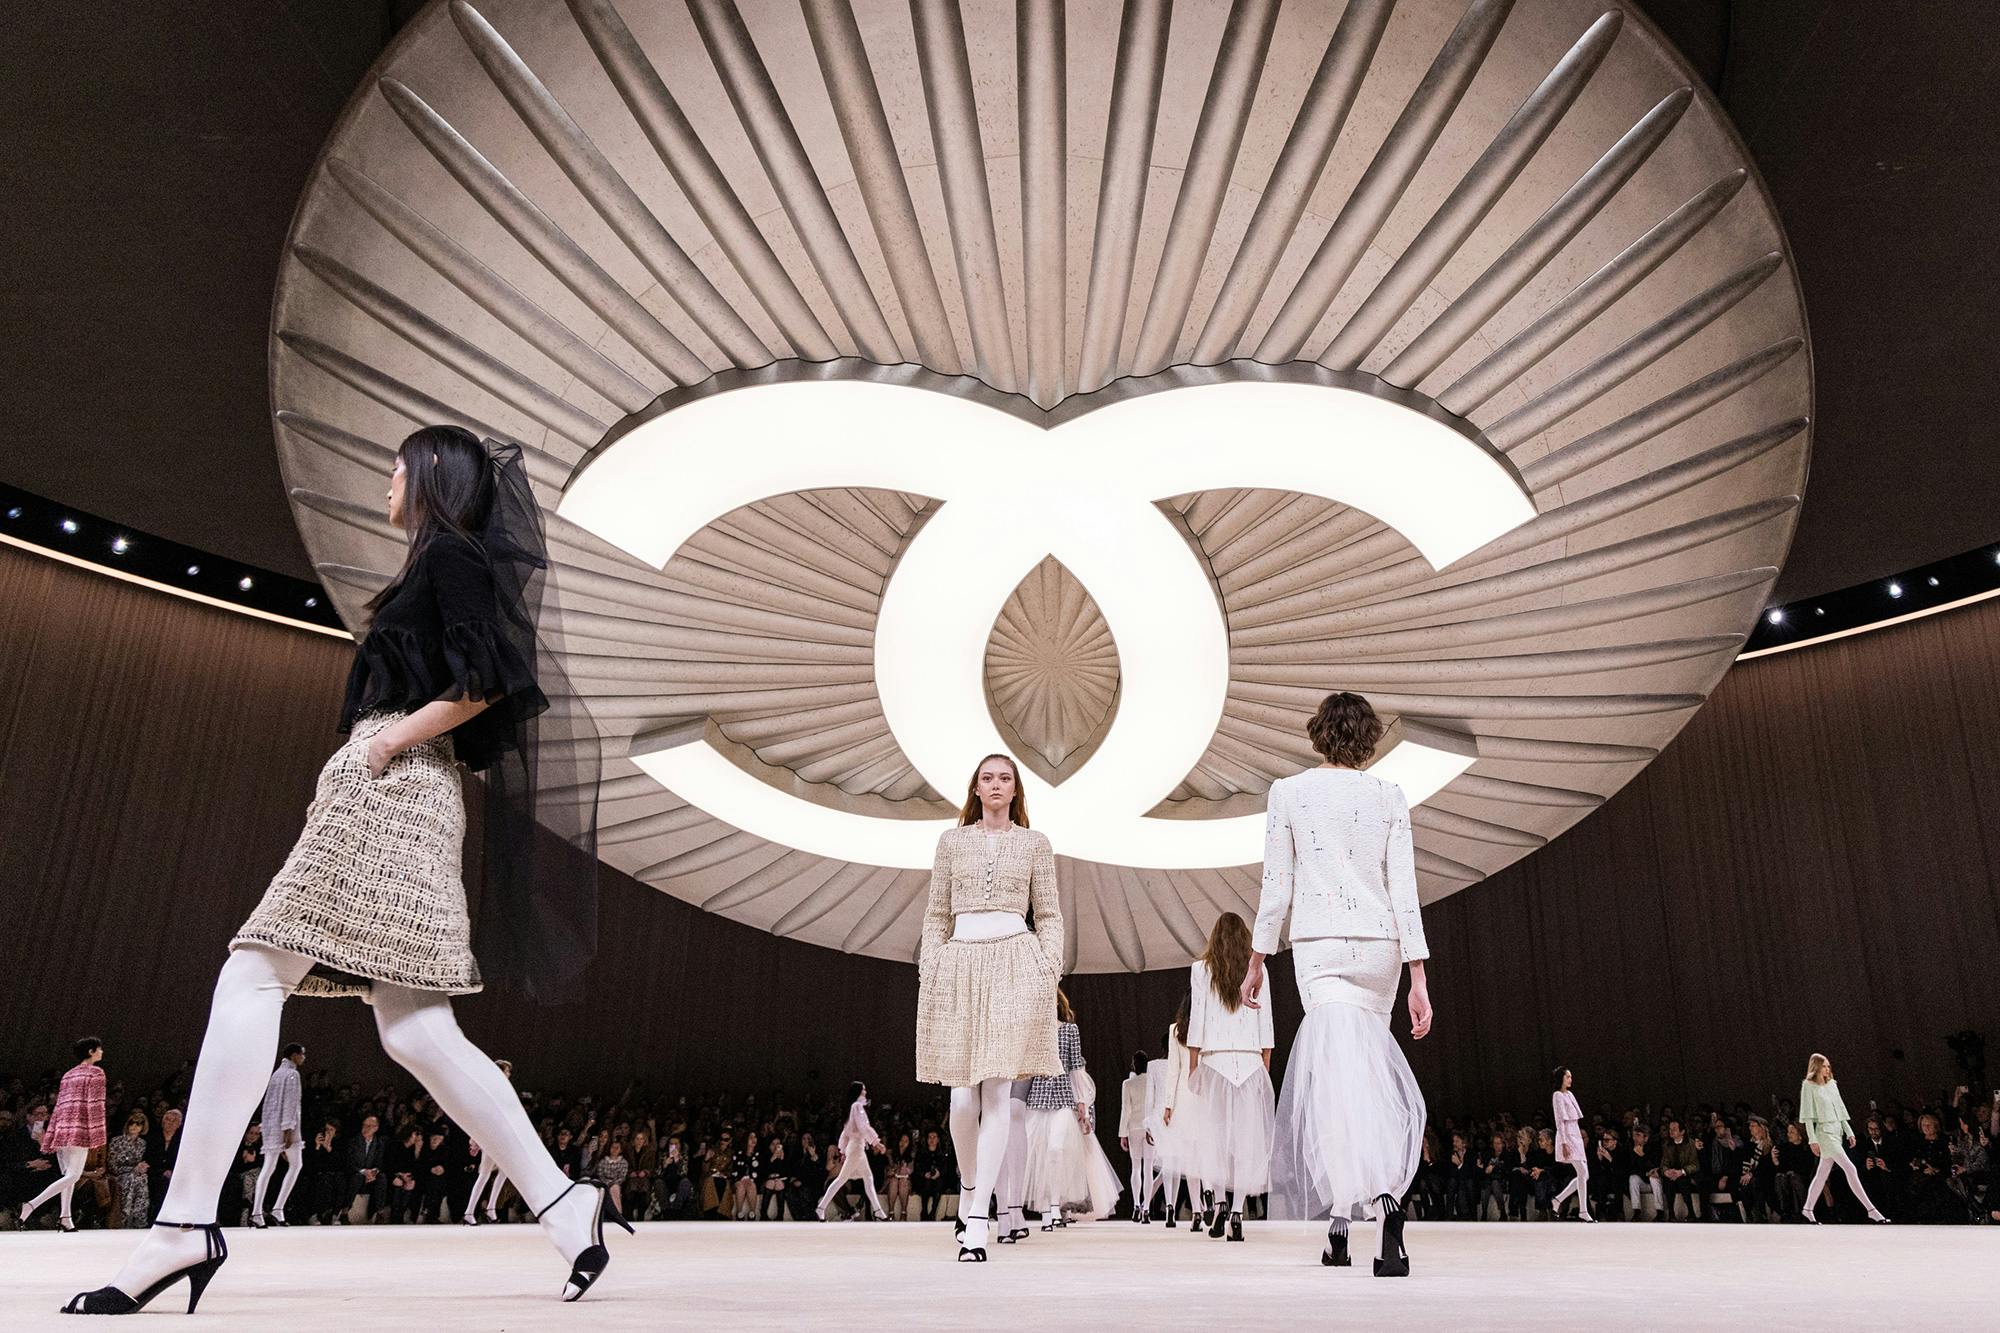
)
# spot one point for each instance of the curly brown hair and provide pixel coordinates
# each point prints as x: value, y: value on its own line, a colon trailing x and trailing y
x: 1345, y: 729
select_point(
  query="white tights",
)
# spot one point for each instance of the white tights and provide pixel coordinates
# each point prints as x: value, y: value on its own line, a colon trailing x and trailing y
x: 71, y: 1162
x: 1014, y: 1165
x: 418, y: 1032
x: 1142, y: 1175
x: 1580, y: 1187
x: 980, y: 1121
x: 294, y: 1158
x: 1829, y: 1158
x: 489, y: 1170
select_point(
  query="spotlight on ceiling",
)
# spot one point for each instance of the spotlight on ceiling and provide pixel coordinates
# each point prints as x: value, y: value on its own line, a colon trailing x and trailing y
x: 1895, y: 589
x: 1775, y: 616
x: 120, y: 545
x: 193, y: 570
x: 69, y: 525
x: 245, y: 583
x: 1932, y: 580
x: 15, y: 512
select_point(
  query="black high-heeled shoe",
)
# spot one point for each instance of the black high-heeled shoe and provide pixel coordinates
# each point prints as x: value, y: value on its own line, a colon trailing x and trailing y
x: 1335, y: 1254
x: 63, y: 1224
x: 110, y: 1300
x: 1236, y: 1226
x: 1215, y: 1227
x: 589, y: 1266
x: 1394, y: 1260
x: 470, y: 1220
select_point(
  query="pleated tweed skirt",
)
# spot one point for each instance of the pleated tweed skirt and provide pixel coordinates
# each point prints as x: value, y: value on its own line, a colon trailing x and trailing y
x: 373, y: 889
x: 987, y: 1009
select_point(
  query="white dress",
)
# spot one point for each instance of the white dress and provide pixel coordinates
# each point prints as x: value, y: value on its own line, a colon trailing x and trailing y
x: 1235, y: 1088
x: 1338, y: 863
x: 1067, y: 1167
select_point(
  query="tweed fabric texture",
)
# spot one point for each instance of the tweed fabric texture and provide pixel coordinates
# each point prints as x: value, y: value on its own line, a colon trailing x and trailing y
x: 372, y: 890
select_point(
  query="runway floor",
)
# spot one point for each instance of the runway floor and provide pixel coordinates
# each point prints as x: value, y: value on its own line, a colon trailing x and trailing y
x: 1106, y: 1275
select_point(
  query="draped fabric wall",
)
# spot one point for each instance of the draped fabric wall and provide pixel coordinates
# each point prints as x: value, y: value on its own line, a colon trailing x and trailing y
x: 1812, y: 865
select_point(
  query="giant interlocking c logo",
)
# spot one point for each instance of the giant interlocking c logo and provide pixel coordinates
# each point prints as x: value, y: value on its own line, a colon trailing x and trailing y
x: 1013, y: 494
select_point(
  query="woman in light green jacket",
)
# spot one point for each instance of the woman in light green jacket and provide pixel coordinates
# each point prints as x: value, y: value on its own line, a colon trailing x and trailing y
x: 1824, y: 1118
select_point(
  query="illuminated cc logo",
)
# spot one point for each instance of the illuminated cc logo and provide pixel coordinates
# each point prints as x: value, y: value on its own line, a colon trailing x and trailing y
x: 1081, y: 489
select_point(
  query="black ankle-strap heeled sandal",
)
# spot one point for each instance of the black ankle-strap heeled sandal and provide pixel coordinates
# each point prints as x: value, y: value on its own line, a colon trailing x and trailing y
x: 110, y: 1300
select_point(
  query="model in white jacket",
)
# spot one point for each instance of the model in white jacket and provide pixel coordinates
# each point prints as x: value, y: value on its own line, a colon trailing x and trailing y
x: 1132, y: 1137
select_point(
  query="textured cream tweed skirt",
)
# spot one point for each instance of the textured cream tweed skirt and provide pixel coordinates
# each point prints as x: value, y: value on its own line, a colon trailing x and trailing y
x: 372, y: 890
x: 987, y: 1009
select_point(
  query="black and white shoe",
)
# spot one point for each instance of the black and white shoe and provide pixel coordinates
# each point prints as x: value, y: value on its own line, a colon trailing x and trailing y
x: 593, y: 1259
x: 1335, y: 1254
x: 110, y: 1300
x: 1394, y: 1261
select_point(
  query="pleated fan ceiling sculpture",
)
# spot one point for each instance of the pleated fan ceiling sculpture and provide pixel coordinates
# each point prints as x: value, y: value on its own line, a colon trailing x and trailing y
x: 1103, y: 382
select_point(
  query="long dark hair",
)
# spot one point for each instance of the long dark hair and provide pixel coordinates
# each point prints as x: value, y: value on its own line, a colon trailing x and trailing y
x: 1556, y: 1078
x: 1228, y: 959
x: 1179, y: 1028
x: 447, y: 488
x: 854, y: 1092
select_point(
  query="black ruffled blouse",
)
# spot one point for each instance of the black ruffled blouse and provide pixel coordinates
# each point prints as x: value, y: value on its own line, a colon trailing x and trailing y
x: 445, y: 634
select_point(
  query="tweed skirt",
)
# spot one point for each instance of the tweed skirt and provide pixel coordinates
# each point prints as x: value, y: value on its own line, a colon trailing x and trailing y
x: 987, y: 1009
x: 372, y: 890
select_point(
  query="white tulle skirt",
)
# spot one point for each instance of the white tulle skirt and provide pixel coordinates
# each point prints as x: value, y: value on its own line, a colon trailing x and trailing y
x: 1068, y: 1168
x: 1350, y: 1121
x: 1235, y: 1147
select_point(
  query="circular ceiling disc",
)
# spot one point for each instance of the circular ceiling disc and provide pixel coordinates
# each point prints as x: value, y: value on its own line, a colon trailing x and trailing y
x: 1447, y: 353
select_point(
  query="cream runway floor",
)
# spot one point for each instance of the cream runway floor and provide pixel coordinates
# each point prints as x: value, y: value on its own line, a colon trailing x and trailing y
x: 1108, y: 1275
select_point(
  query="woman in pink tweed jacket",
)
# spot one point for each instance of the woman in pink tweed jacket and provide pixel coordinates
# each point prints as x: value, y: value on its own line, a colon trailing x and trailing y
x: 76, y: 1126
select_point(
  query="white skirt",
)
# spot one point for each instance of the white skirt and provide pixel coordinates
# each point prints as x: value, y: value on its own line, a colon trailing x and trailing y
x: 1350, y: 1121
x: 1177, y: 1147
x: 1068, y: 1168
x: 1235, y: 1142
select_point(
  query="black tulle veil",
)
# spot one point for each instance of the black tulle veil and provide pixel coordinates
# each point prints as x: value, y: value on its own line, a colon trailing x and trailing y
x: 536, y: 922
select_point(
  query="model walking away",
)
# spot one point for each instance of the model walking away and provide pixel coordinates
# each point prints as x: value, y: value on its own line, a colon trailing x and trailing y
x: 1570, y: 1146
x: 75, y: 1127
x: 1229, y: 1045
x: 1177, y: 1124
x: 1824, y: 1118
x: 986, y: 987
x: 280, y: 1136
x: 1133, y: 1139
x: 857, y: 1136
x: 1338, y: 864
x: 371, y: 901
x: 490, y: 1175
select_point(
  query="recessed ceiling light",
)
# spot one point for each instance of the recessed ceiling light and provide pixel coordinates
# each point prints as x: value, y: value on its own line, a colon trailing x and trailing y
x: 1775, y: 616
x: 1895, y: 589
x: 1932, y: 580
x: 15, y: 512
x: 69, y: 525
x: 193, y: 570
x: 120, y: 545
x: 244, y: 583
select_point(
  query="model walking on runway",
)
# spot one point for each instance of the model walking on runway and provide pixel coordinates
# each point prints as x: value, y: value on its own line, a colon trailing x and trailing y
x: 1132, y: 1137
x: 280, y: 1136
x: 1824, y: 1118
x: 1338, y: 863
x: 857, y: 1136
x: 75, y: 1127
x: 371, y: 902
x: 1570, y: 1146
x: 1177, y: 1124
x: 490, y: 1174
x: 986, y: 990
x: 1229, y: 1042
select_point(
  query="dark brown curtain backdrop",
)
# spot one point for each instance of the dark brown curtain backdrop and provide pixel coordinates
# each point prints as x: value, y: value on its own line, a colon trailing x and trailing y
x: 1812, y: 865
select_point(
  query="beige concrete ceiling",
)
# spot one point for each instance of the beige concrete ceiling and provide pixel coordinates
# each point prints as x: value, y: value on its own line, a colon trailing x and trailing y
x: 541, y: 220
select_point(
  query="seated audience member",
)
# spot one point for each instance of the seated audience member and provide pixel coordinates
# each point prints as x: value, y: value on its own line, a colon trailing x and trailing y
x: 1929, y: 1196
x: 1641, y: 1172
x: 1796, y: 1165
x: 1542, y: 1170
x: 1757, y: 1174
x: 1680, y: 1172
x: 1494, y: 1171
x: 1607, y: 1176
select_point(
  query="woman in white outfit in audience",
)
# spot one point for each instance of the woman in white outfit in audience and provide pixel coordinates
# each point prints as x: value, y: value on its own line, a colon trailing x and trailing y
x: 1339, y: 864
x: 1229, y: 1043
